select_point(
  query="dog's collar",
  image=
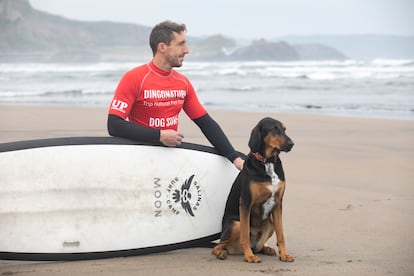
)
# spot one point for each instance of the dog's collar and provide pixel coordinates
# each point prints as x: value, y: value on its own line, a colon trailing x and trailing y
x: 260, y: 158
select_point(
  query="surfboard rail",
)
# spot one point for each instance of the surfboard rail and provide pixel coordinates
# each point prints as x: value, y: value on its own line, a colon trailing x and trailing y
x: 92, y: 140
x: 21, y: 256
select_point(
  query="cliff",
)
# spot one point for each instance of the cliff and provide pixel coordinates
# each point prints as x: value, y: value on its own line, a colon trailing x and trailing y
x: 34, y: 33
x: 27, y: 34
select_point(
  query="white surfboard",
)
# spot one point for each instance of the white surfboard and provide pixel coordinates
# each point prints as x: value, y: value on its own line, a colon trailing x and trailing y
x: 88, y: 197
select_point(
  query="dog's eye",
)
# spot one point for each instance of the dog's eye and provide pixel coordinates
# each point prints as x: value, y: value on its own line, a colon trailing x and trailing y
x: 276, y: 130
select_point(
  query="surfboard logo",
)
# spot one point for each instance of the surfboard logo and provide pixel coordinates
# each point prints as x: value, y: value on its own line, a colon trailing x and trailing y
x: 184, y: 196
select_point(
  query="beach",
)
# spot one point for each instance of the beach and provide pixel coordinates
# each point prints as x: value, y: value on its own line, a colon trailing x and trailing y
x: 348, y: 207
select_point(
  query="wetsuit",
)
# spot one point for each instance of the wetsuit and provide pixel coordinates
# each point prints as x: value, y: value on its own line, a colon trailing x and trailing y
x: 149, y: 99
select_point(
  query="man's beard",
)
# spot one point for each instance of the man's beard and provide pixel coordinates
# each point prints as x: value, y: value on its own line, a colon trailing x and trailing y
x: 175, y: 61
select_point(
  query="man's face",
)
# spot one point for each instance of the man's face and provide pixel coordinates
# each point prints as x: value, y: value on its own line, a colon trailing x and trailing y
x: 176, y: 51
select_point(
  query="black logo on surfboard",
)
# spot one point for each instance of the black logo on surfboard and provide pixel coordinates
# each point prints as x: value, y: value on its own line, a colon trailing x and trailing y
x: 183, y: 196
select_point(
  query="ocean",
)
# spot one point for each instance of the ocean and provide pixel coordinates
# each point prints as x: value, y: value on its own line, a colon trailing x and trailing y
x: 380, y: 88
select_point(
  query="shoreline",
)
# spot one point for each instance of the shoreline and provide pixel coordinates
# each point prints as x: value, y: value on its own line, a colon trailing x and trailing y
x: 305, y: 112
x: 64, y: 123
x: 348, y: 206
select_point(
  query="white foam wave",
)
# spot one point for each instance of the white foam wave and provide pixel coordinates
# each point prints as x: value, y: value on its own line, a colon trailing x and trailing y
x: 392, y: 62
x: 62, y: 67
x: 313, y: 70
x: 311, y: 86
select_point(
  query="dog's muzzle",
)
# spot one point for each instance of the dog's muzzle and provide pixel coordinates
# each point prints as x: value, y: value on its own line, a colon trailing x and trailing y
x: 288, y: 145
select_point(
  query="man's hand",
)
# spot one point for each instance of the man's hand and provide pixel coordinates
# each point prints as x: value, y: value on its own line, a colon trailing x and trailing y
x: 238, y: 163
x: 170, y: 138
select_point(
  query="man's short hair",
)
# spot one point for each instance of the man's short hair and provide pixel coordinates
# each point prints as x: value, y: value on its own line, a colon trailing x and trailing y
x: 164, y: 32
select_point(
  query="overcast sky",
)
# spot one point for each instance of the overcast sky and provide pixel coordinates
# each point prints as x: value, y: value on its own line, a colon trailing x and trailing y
x: 251, y: 19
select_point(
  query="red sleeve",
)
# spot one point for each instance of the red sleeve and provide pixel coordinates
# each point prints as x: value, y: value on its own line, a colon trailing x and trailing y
x: 192, y: 106
x: 125, y: 94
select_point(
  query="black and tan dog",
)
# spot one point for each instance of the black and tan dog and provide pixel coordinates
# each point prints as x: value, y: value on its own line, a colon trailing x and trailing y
x: 254, y: 206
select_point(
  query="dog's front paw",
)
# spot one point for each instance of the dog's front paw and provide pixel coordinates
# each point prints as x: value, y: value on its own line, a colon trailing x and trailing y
x: 286, y: 258
x: 252, y: 259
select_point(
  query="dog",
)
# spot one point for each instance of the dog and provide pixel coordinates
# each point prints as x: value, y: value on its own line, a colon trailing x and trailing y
x: 254, y: 206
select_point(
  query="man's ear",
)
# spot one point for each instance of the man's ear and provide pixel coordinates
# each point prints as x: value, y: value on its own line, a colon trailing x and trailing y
x: 161, y: 47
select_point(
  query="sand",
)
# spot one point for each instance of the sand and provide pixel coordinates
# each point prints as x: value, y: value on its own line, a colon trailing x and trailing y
x: 348, y: 207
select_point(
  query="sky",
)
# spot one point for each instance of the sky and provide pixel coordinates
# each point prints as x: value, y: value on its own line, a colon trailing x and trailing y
x: 249, y: 19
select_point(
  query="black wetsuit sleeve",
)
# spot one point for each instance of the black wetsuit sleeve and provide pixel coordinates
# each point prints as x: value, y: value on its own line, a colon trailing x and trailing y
x: 119, y: 127
x: 216, y: 136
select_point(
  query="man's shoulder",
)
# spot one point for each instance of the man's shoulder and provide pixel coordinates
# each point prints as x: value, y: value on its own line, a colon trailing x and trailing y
x: 136, y: 73
x: 179, y: 76
x: 139, y: 69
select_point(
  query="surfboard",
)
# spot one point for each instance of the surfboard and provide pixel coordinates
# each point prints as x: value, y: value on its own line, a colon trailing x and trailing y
x: 94, y: 197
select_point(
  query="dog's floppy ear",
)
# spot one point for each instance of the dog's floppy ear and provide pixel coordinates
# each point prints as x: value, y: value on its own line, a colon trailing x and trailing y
x: 259, y: 132
x: 255, y: 139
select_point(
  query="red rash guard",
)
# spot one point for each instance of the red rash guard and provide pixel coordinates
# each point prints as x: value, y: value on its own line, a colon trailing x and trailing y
x: 151, y: 97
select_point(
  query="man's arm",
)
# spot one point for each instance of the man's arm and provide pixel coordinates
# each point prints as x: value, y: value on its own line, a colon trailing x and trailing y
x: 119, y: 127
x: 216, y: 136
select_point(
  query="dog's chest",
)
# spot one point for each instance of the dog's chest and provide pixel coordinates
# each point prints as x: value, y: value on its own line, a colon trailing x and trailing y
x: 269, y: 204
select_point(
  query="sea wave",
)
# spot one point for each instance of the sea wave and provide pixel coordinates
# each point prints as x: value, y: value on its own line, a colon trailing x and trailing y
x: 381, y: 86
x: 57, y: 93
x: 311, y: 70
x: 393, y: 62
x: 63, y: 67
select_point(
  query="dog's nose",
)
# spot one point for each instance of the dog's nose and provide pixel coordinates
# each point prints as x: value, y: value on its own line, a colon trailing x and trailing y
x: 289, y: 145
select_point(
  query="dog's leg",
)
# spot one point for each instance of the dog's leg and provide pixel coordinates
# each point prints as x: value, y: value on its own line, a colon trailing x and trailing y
x: 229, y: 241
x: 245, y: 235
x: 277, y: 215
x: 268, y: 230
x: 258, y: 193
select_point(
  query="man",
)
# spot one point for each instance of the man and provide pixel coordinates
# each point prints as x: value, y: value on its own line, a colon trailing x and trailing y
x: 149, y: 98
